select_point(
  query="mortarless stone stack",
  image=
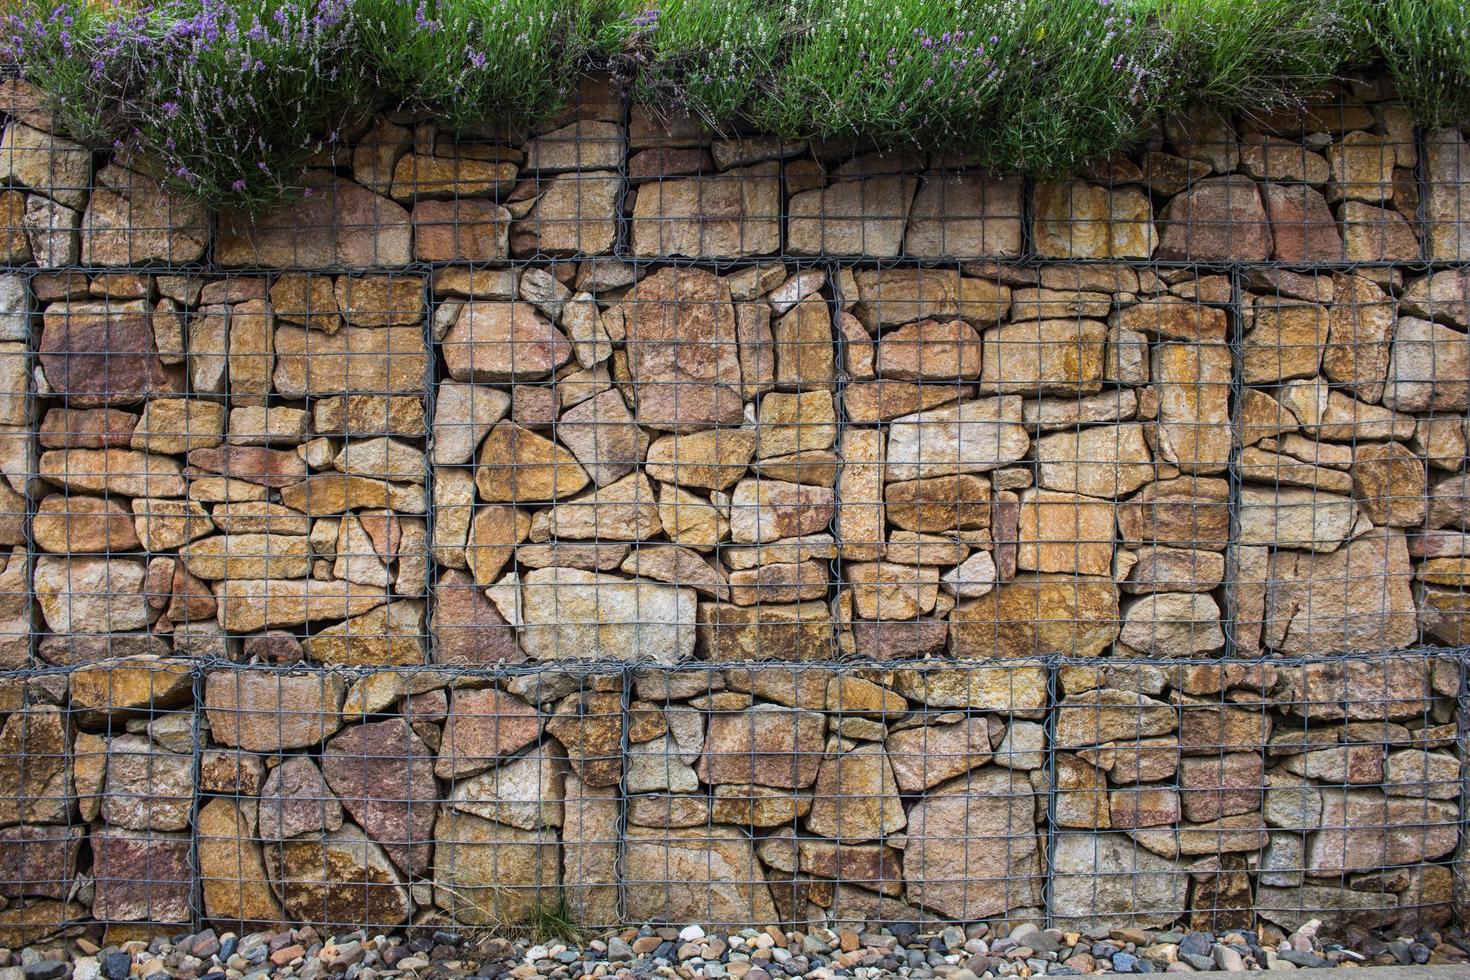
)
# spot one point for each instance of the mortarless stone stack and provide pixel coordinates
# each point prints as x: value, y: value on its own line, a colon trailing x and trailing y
x: 738, y: 531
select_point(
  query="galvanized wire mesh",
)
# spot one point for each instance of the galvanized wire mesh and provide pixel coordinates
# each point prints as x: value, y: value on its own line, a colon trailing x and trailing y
x: 634, y: 525
x: 1227, y: 795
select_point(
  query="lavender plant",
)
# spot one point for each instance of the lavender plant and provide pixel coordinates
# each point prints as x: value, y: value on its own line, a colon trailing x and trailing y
x: 230, y: 99
x: 72, y: 50
x: 226, y: 99
x: 1084, y: 83
x: 474, y: 61
x: 1026, y: 84
x: 703, y: 59
x: 1426, y: 45
x: 1254, y: 55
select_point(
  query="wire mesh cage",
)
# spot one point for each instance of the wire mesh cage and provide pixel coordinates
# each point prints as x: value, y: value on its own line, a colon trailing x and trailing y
x: 634, y: 524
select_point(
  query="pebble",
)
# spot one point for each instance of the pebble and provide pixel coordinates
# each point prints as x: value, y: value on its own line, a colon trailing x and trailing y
x: 1197, y: 943
x: 1197, y: 961
x: 1298, y: 958
x: 1227, y: 958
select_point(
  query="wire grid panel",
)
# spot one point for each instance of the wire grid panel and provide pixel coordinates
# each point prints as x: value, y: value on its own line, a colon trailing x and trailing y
x: 1219, y: 795
x: 624, y: 394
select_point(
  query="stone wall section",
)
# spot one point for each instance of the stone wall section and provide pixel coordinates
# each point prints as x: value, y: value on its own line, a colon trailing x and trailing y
x: 147, y: 793
x: 1129, y: 502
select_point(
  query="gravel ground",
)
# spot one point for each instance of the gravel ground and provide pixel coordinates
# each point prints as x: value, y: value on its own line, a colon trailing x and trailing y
x: 952, y: 954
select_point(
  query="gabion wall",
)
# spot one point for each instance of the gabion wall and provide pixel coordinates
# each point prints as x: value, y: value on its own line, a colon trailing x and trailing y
x: 649, y: 526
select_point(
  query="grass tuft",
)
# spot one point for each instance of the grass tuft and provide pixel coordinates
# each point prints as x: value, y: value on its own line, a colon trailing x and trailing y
x: 545, y: 921
x: 553, y: 922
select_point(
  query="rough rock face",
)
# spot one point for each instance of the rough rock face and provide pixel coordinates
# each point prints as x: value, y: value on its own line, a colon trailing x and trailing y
x: 1086, y: 887
x: 338, y: 877
x: 383, y: 774
x: 488, y: 872
x: 142, y: 876
x: 35, y: 774
x: 733, y: 214
x: 265, y: 713
x: 567, y: 611
x: 349, y: 226
x: 969, y: 881
x: 232, y: 866
x: 681, y: 340
x: 1365, y: 584
x: 714, y: 876
x: 295, y: 799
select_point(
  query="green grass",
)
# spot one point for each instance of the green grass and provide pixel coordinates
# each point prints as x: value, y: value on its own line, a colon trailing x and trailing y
x: 505, y: 62
x: 553, y: 921
x: 1426, y: 46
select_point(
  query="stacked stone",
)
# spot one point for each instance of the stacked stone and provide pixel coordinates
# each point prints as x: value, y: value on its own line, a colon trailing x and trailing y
x: 16, y: 466
x: 1224, y: 792
x: 103, y: 757
x: 220, y: 459
x: 602, y: 441
x: 455, y: 410
x: 1212, y: 792
x: 559, y: 505
x: 397, y: 795
x: 1216, y: 792
x: 39, y: 839
x: 803, y: 794
x: 1332, y: 183
x: 1034, y: 440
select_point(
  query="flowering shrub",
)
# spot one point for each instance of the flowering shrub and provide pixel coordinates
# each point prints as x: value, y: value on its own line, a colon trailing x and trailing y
x: 474, y: 61
x: 1426, y: 44
x: 226, y: 99
x: 229, y: 99
x: 1255, y: 54
x: 1083, y: 85
x: 1029, y: 84
x: 692, y: 56
x: 73, y: 50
